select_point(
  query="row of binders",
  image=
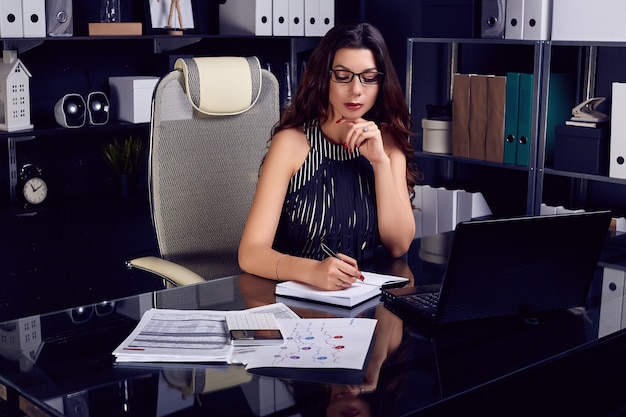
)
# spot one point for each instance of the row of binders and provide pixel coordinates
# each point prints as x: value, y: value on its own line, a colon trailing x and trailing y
x: 492, y: 115
x: 439, y: 209
x: 276, y: 17
x: 22, y: 19
x: 563, y: 20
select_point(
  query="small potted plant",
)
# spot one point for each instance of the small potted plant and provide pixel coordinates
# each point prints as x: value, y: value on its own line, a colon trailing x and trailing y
x: 124, y: 158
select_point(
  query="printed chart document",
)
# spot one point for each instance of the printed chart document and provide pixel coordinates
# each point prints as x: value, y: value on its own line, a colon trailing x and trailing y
x: 168, y: 335
x: 354, y: 295
x: 320, y: 343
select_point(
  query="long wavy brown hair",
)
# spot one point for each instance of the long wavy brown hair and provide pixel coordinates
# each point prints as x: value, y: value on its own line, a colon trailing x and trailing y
x: 310, y: 101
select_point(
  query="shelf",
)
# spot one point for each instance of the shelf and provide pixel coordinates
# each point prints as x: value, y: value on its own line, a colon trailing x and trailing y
x: 457, y: 160
x: 162, y: 43
x: 590, y: 177
x: 58, y: 130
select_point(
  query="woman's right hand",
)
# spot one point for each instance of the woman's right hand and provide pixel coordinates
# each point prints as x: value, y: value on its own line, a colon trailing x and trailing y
x: 336, y: 274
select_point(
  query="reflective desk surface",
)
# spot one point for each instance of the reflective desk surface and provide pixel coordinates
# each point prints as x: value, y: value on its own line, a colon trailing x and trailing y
x: 555, y: 364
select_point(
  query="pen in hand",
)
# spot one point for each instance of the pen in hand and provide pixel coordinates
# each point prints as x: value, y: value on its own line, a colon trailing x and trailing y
x: 332, y: 254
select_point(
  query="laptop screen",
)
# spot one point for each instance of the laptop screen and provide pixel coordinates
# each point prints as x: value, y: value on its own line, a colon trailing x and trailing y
x: 510, y: 267
x: 521, y: 265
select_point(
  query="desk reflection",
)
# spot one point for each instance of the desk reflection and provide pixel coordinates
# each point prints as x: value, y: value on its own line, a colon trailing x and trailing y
x: 66, y: 364
x: 380, y: 386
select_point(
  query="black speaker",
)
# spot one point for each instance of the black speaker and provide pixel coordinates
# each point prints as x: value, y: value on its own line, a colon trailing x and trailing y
x: 70, y: 111
x: 98, y: 108
x: 492, y: 18
x: 59, y: 18
x: 77, y: 404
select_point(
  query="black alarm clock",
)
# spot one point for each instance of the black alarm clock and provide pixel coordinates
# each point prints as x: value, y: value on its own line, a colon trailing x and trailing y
x: 31, y: 189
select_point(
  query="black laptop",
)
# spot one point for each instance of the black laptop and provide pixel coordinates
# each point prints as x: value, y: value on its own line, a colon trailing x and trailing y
x: 512, y: 266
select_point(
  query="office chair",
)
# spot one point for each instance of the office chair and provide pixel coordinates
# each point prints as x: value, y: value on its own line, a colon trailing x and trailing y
x: 211, y: 119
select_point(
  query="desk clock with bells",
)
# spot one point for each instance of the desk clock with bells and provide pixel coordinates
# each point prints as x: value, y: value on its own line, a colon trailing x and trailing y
x: 32, y: 189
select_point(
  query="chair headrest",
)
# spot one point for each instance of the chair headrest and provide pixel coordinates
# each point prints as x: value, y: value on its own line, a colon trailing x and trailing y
x: 221, y: 86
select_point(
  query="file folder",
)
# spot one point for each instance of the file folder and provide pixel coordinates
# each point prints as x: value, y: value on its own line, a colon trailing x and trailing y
x: 561, y: 100
x: 524, y: 119
x: 478, y: 116
x: 460, y: 115
x: 429, y: 210
x: 312, y: 18
x: 446, y: 210
x: 296, y: 17
x: 34, y: 18
x: 617, y: 153
x: 514, y: 28
x: 327, y: 15
x: 510, y: 118
x: 537, y: 19
x: 612, y: 314
x: 246, y: 17
x: 11, y: 25
x: 496, y: 106
x: 280, y: 17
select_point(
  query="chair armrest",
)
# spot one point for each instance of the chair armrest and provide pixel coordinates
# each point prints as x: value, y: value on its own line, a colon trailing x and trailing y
x: 172, y: 272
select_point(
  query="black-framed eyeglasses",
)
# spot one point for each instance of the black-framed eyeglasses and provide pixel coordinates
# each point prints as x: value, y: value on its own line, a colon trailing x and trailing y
x: 366, y: 77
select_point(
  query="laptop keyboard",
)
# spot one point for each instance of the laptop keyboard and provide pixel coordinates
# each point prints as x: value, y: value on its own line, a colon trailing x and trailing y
x: 424, y: 301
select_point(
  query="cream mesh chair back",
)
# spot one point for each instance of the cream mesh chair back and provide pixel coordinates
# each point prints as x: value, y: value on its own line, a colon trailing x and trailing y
x: 211, y: 120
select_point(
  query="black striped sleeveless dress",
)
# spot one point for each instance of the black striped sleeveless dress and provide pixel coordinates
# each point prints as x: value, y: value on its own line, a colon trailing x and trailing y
x: 330, y: 199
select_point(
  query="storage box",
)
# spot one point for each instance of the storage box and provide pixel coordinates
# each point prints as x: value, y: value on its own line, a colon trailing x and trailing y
x: 131, y: 98
x: 246, y: 17
x: 437, y: 136
x: 581, y: 20
x: 581, y: 149
x: 116, y: 29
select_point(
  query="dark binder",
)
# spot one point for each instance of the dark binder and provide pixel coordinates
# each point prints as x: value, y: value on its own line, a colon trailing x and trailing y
x: 460, y: 115
x: 509, y: 144
x: 561, y: 100
x: 478, y: 116
x: 496, y: 105
x: 524, y: 120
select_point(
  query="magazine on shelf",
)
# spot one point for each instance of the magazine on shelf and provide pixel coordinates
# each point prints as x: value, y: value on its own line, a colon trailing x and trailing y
x: 352, y: 296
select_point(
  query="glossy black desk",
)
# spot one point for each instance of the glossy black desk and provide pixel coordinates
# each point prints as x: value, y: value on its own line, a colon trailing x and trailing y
x: 61, y: 364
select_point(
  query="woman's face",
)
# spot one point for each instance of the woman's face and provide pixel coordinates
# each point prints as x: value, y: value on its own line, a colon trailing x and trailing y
x: 352, y: 99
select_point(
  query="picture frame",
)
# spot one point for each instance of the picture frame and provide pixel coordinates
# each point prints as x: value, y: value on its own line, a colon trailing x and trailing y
x: 167, y: 16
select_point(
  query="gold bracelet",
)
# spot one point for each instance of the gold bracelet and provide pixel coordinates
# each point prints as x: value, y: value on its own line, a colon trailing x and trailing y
x: 278, y: 263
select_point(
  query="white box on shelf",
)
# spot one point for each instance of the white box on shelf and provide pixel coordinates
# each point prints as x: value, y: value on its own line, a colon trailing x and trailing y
x: 617, y: 152
x: 34, y: 18
x: 581, y: 20
x: 246, y: 17
x: 312, y: 25
x: 11, y: 25
x: 131, y: 98
x: 537, y: 19
x: 280, y: 17
x: 296, y: 17
x: 612, y: 302
x: 437, y: 136
x: 514, y: 28
x: 327, y: 16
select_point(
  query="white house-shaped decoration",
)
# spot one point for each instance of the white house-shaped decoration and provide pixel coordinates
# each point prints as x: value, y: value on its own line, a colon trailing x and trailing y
x: 14, y: 93
x: 21, y: 341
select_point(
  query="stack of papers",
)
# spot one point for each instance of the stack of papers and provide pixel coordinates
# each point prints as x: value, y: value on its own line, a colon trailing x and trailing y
x: 168, y: 335
x: 354, y: 295
x: 201, y: 336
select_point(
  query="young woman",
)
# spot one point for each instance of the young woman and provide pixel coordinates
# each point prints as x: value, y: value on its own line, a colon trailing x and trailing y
x: 338, y: 169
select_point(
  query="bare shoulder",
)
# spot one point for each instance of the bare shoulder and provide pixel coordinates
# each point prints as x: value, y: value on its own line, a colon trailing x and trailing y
x: 289, y: 146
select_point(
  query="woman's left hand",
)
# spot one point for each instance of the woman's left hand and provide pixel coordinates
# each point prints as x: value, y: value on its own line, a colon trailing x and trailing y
x: 367, y: 137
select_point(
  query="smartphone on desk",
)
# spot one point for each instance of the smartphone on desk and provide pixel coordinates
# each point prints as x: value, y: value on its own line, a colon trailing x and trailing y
x: 256, y: 337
